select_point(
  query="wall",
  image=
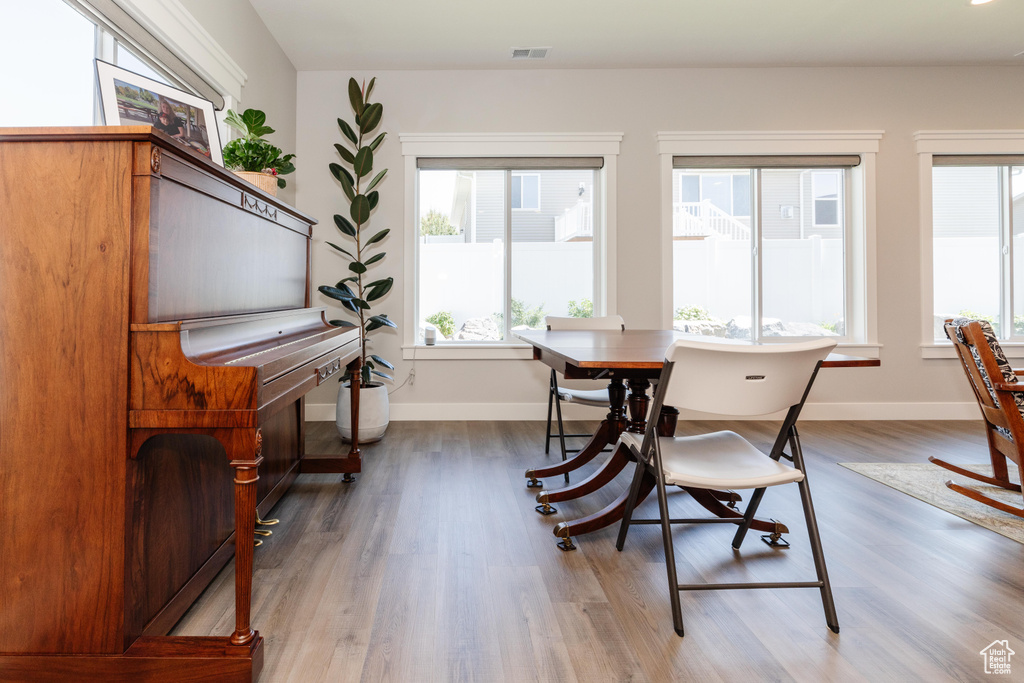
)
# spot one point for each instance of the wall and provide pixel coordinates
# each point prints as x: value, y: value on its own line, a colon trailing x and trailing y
x: 271, y: 82
x: 639, y: 103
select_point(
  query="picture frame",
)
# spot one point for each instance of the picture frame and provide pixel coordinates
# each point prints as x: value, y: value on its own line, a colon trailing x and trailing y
x: 130, y: 99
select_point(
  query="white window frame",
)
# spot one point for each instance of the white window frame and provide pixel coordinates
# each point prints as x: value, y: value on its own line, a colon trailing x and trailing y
x: 815, y: 175
x: 960, y: 142
x: 534, y: 209
x: 861, y: 262
x: 417, y: 145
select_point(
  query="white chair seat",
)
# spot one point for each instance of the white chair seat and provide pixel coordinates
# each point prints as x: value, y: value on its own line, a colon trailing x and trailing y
x: 720, y: 460
x: 585, y: 397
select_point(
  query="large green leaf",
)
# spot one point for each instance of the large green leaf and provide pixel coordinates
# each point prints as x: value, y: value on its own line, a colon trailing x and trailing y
x: 379, y: 290
x: 345, y: 288
x: 337, y: 170
x: 254, y: 118
x: 370, y: 117
x: 381, y: 361
x: 382, y: 374
x: 347, y: 130
x: 360, y: 209
x: 373, y: 259
x: 357, y: 267
x: 376, y: 141
x: 365, y: 373
x: 373, y: 198
x: 369, y: 89
x: 344, y: 225
x: 378, y: 237
x: 378, y: 283
x: 345, y: 153
x: 383, y: 320
x: 342, y: 323
x: 361, y: 303
x: 346, y: 185
x: 334, y: 293
x: 355, y: 96
x: 376, y: 179
x: 363, y: 163
x: 342, y: 250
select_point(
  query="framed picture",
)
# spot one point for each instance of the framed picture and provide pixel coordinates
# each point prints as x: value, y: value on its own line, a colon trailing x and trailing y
x: 132, y: 100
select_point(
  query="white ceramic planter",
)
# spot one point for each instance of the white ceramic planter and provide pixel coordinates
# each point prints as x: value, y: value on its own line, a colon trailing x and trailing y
x: 374, y: 412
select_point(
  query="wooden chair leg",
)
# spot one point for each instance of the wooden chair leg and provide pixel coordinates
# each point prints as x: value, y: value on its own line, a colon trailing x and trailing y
x: 982, y: 498
x: 995, y: 481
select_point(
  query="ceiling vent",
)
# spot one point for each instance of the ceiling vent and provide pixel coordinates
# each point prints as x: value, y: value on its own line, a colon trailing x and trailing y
x: 530, y: 52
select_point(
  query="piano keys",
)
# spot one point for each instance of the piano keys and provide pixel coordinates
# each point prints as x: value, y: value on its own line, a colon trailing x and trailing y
x: 156, y: 342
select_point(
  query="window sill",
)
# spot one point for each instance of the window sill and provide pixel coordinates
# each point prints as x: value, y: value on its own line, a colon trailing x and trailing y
x: 939, y: 350
x: 468, y: 352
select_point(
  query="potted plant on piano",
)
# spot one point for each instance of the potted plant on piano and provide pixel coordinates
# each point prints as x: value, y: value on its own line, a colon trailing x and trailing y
x: 360, y: 246
x: 253, y: 158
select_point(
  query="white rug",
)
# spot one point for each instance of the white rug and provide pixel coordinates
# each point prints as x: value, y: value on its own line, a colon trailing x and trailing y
x: 927, y: 482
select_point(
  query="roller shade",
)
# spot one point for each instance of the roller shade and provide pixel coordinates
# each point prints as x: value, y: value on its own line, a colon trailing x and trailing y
x: 978, y: 160
x: 514, y: 163
x: 118, y: 22
x: 806, y: 161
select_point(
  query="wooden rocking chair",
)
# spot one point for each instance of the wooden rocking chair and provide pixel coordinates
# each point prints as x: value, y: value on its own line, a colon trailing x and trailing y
x: 1001, y: 399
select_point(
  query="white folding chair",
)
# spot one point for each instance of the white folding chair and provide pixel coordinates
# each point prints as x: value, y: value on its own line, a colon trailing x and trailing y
x: 738, y: 380
x: 597, y: 398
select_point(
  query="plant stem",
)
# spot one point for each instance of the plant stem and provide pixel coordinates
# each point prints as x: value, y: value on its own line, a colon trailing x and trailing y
x: 359, y: 248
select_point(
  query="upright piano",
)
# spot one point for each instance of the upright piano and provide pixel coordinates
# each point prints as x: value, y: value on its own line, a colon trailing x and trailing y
x: 156, y: 342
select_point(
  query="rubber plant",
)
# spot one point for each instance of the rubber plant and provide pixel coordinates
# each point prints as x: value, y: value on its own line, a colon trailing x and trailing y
x: 355, y: 175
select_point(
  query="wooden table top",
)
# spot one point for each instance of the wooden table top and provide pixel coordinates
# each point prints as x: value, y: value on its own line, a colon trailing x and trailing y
x: 633, y: 349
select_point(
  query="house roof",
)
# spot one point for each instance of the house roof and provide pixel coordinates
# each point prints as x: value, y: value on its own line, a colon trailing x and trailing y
x: 461, y: 34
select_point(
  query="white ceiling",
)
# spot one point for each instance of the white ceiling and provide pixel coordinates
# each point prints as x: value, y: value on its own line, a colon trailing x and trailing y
x: 477, y: 34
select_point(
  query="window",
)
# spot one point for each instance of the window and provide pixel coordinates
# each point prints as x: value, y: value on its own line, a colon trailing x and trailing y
x: 526, y: 191
x: 978, y: 243
x: 770, y: 235
x: 826, y: 188
x: 486, y: 256
x: 972, y: 222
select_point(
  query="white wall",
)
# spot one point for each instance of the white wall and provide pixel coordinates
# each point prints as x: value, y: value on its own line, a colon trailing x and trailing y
x: 639, y: 103
x: 270, y: 87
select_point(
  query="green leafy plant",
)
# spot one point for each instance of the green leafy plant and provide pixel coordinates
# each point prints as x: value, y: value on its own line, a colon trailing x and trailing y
x: 521, y: 315
x: 584, y: 309
x: 692, y: 313
x: 251, y: 152
x: 354, y: 177
x: 436, y: 223
x: 444, y: 321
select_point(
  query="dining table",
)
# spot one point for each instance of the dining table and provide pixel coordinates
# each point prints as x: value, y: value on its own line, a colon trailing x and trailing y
x: 630, y: 360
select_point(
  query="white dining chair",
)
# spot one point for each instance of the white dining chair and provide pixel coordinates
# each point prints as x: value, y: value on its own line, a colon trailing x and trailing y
x: 735, y: 380
x: 597, y: 398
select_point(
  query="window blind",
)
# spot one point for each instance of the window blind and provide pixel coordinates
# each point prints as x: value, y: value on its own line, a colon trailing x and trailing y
x: 118, y: 22
x: 514, y: 163
x: 804, y: 161
x: 978, y: 160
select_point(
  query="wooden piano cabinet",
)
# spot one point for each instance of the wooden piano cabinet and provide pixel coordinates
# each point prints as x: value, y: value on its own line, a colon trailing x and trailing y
x: 156, y: 343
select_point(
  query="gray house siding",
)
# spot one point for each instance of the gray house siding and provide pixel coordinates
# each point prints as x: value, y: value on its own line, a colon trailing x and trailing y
x: 559, y: 191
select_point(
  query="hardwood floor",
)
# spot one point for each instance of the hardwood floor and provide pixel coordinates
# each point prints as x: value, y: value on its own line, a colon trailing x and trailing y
x: 433, y: 566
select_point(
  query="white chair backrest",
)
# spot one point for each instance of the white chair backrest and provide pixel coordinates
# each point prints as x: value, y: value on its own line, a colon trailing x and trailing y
x: 608, y: 322
x: 741, y: 379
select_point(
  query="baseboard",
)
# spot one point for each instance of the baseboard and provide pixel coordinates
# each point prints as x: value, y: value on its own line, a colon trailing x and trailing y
x: 400, y: 412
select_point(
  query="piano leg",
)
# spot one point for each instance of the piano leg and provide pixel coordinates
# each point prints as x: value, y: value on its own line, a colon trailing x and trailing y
x: 355, y: 372
x: 246, y: 457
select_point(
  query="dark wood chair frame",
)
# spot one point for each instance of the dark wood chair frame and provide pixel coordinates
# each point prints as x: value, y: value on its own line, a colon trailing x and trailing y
x: 1006, y: 414
x: 649, y: 463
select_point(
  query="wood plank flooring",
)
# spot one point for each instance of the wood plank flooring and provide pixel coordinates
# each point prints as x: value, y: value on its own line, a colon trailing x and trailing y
x: 433, y: 566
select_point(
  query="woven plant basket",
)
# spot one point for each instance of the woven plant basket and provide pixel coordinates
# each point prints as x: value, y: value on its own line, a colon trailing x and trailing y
x: 264, y: 181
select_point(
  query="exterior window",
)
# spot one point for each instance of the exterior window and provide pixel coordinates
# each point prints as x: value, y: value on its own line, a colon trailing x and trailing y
x: 526, y: 191
x: 762, y: 254
x: 825, y: 186
x: 978, y: 246
x: 484, y: 268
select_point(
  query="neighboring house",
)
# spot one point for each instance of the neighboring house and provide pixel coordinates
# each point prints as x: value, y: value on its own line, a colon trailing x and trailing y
x: 965, y: 201
x: 547, y: 206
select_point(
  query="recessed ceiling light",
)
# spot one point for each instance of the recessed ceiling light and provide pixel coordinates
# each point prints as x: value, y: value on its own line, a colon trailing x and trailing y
x: 979, y: 2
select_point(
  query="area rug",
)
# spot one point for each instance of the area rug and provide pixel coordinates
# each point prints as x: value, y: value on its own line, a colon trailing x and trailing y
x: 927, y: 482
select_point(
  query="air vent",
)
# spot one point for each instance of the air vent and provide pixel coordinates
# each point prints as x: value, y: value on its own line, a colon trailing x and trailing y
x: 530, y: 52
